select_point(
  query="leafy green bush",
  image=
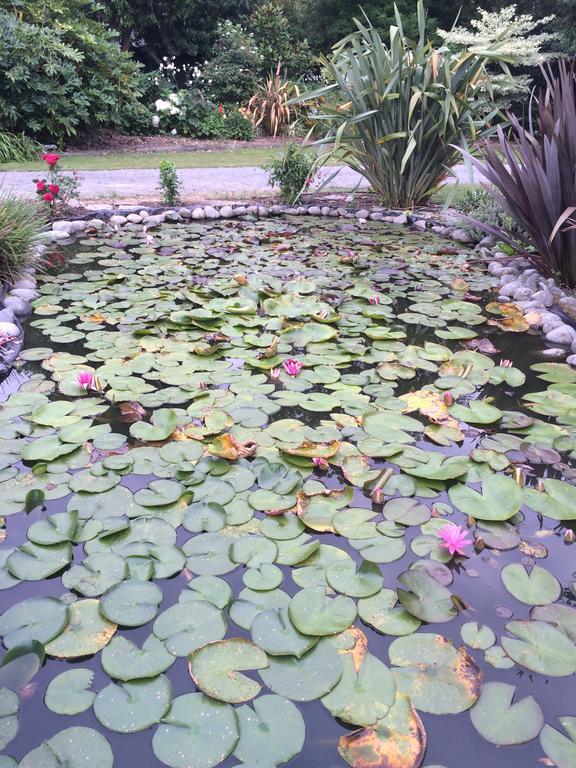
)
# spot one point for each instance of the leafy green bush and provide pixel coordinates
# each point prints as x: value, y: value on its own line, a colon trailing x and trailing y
x: 230, y: 75
x: 227, y: 123
x: 61, y: 71
x: 394, y: 112
x: 276, y: 43
x: 17, y: 148
x: 292, y: 172
x: 532, y: 173
x: 169, y: 184
x: 20, y: 225
x: 481, y: 205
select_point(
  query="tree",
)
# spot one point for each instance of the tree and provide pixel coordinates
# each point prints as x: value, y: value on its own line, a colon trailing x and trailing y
x: 61, y: 70
x: 276, y: 42
x: 517, y: 37
x: 230, y: 75
x: 172, y: 28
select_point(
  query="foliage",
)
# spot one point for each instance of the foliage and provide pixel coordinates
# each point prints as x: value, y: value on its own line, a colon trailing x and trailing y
x: 169, y: 183
x: 61, y: 71
x: 20, y: 226
x: 394, y: 112
x: 230, y: 75
x: 532, y: 173
x: 292, y: 172
x: 517, y: 38
x: 480, y: 204
x: 276, y: 42
x: 269, y: 106
x: 17, y: 148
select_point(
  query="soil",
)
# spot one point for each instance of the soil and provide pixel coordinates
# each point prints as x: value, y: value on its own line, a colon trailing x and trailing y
x: 109, y: 141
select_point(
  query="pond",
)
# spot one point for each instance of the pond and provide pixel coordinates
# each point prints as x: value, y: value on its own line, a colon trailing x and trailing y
x: 232, y: 460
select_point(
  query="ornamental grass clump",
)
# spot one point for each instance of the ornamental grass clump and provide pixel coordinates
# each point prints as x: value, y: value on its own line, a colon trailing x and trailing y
x: 533, y: 173
x: 393, y: 111
x: 20, y: 227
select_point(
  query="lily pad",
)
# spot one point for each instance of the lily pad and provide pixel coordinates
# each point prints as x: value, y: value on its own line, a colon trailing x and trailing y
x: 502, y: 722
x: 133, y: 706
x: 272, y: 731
x: 216, y: 669
x: 69, y: 693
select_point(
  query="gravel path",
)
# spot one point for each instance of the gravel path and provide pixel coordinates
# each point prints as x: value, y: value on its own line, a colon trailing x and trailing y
x: 197, y: 182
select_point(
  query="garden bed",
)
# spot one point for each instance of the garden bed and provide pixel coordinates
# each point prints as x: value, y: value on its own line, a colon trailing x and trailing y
x: 240, y: 445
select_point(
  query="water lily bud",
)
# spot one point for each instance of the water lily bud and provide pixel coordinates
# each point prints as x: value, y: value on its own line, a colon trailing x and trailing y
x: 202, y: 385
x: 569, y: 536
x: 470, y: 521
x: 377, y: 495
x: 519, y: 477
x: 540, y: 485
x: 320, y: 463
x: 479, y: 544
x: 448, y: 399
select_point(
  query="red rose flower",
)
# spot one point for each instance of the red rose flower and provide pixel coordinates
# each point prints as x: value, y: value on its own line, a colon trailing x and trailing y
x: 220, y: 108
x: 40, y: 186
x: 51, y: 159
x: 48, y: 197
x: 54, y: 188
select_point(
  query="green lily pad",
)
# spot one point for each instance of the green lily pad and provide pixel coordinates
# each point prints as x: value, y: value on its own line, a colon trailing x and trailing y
x: 313, y: 613
x: 306, y: 678
x: 131, y: 603
x: 123, y: 660
x: 481, y: 637
x: 133, y: 706
x: 198, y: 731
x: 69, y: 693
x: 437, y: 677
x: 540, y: 647
x: 9, y: 706
x: 536, y: 586
x: 163, y: 423
x: 502, y: 722
x: 189, y: 625
x: 87, y: 632
x: 559, y: 748
x: 499, y: 500
x: 425, y: 598
x: 76, y: 747
x: 382, y: 612
x: 37, y: 618
x: 216, y: 669
x: 272, y: 731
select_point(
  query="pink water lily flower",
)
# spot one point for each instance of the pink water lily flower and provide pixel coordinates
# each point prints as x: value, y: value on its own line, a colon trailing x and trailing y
x: 374, y: 299
x: 292, y: 367
x: 320, y: 463
x: 275, y: 373
x: 85, y: 380
x: 454, y: 538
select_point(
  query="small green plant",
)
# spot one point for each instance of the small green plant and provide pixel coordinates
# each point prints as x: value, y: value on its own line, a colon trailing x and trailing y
x: 169, y: 184
x: 292, y: 172
x: 20, y: 226
x: 17, y: 148
x: 227, y: 123
x: 480, y: 204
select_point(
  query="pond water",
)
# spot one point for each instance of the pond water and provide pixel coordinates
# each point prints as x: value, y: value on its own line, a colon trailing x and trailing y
x: 183, y: 585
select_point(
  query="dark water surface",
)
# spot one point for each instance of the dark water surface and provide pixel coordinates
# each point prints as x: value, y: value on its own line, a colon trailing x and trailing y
x: 452, y: 740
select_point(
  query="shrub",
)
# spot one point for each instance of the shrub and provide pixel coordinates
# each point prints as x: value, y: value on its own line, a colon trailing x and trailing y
x: 230, y: 76
x: 394, y: 112
x: 480, y: 204
x: 227, y: 123
x: 60, y: 187
x: 292, y: 172
x: 276, y: 42
x: 269, y: 106
x: 20, y: 227
x: 17, y: 148
x: 533, y: 178
x: 61, y: 71
x: 169, y: 184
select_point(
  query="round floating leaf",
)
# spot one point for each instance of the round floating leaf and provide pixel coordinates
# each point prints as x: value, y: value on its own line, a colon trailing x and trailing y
x: 163, y: 423
x: 406, y: 511
x: 87, y: 632
x: 398, y: 740
x: 37, y: 618
x: 32, y: 562
x: 131, y: 603
x: 216, y: 669
x: 306, y: 678
x: 133, y: 706
x: 500, y: 499
x: 272, y: 731
x: 95, y: 574
x: 9, y: 706
x: 189, y: 625
x: 540, y: 647
x: 559, y: 748
x: 481, y: 637
x: 536, y: 586
x: 425, y: 598
x: 197, y: 731
x: 563, y: 617
x: 382, y: 613
x: 210, y: 588
x: 273, y: 631
x: 20, y: 664
x: 313, y: 613
x: 363, y: 695
x: 500, y: 721
x: 208, y: 554
x: 77, y: 747
x: 343, y: 577
x: 158, y: 493
x: 123, y: 660
x: 69, y: 694
x: 438, y: 678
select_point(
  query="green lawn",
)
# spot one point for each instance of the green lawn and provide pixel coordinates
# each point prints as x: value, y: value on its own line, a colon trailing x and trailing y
x: 119, y: 160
